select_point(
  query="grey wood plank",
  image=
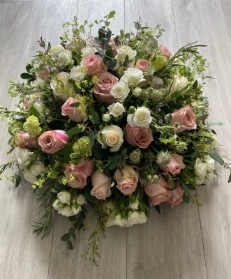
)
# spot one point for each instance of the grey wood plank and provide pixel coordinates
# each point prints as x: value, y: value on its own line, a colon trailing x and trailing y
x: 170, y: 245
x: 205, y: 21
x: 22, y: 255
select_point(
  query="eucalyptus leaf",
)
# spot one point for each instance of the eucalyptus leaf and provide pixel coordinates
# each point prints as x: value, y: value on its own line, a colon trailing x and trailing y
x: 95, y: 115
x: 65, y: 237
x: 17, y: 180
x: 33, y: 111
x: 111, y: 14
x: 74, y: 105
x: 214, y: 123
x: 229, y: 180
x: 216, y: 157
x: 75, y: 130
x: 186, y: 190
x: 91, y: 136
x: 69, y: 245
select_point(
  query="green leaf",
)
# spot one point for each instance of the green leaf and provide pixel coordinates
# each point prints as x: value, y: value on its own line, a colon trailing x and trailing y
x: 71, y: 231
x: 111, y: 14
x: 195, y: 84
x: 19, y: 118
x: 113, y: 166
x: 216, y: 157
x: 214, y: 123
x: 87, y: 194
x: 72, y: 218
x: 157, y: 207
x: 17, y: 180
x: 191, y: 186
x: 186, y: 190
x: 229, y: 178
x: 34, y: 112
x: 114, y: 159
x: 74, y: 105
x: 75, y: 130
x: 74, y: 236
x: 26, y: 76
x: 91, y: 136
x: 95, y: 115
x: 186, y: 198
x: 65, y: 237
x: 69, y: 245
x: 28, y: 68
x: 177, y: 93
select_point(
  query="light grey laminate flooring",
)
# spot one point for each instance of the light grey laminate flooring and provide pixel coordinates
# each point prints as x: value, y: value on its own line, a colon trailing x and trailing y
x: 185, y: 242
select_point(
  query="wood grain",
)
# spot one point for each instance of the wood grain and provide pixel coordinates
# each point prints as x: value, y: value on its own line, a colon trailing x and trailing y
x: 185, y: 242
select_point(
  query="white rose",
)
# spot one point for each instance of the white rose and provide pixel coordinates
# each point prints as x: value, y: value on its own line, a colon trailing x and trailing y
x: 106, y: 117
x: 64, y: 197
x: 29, y: 176
x: 116, y: 109
x: 63, y: 77
x: 37, y: 168
x: 38, y: 82
x: 57, y: 204
x: 136, y: 91
x: 111, y: 136
x: 78, y: 73
x: 134, y: 205
x: 81, y: 200
x: 124, y: 51
x: 22, y: 155
x: 55, y: 49
x: 133, y: 77
x: 136, y: 218
x: 141, y: 118
x: 179, y: 82
x: 64, y: 58
x: 39, y: 106
x: 120, y: 91
x: 209, y: 164
x: 87, y: 51
x: 201, y: 171
x: 68, y: 211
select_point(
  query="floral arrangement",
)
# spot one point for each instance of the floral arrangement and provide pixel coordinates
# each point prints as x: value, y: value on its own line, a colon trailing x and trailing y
x: 114, y: 122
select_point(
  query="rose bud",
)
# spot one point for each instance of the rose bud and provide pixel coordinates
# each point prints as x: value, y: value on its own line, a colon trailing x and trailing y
x: 52, y: 141
x: 175, y: 165
x: 176, y: 195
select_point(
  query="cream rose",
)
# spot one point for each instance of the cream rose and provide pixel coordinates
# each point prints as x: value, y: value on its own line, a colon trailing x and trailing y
x: 116, y: 109
x: 55, y: 49
x: 141, y: 118
x: 64, y: 58
x: 64, y: 197
x: 133, y: 77
x: 62, y: 77
x: 111, y: 136
x: 124, y: 51
x: 78, y: 73
x: 120, y: 91
x: 178, y: 83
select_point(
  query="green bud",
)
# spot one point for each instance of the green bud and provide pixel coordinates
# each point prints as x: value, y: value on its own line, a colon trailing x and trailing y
x: 159, y: 62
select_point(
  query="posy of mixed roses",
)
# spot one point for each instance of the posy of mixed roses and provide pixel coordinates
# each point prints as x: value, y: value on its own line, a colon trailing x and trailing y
x: 117, y: 122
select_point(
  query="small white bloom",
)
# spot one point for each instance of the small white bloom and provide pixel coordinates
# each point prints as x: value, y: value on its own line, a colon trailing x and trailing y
x: 133, y: 77
x: 209, y: 164
x: 62, y: 77
x: 55, y: 49
x: 120, y: 91
x: 39, y: 106
x: 178, y: 83
x: 106, y: 117
x: 118, y: 221
x: 38, y: 82
x: 81, y: 200
x: 124, y: 51
x: 134, y: 205
x: 141, y: 118
x: 64, y: 197
x: 68, y: 211
x: 64, y: 58
x: 57, y: 204
x: 136, y: 91
x: 78, y: 73
x: 116, y: 109
x: 76, y: 209
x: 136, y: 217
x: 201, y: 171
x: 22, y: 155
x: 37, y: 168
x: 151, y: 32
x: 87, y: 51
x: 29, y: 176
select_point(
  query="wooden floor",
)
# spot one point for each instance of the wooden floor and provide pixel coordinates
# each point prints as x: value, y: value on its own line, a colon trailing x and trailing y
x: 186, y: 242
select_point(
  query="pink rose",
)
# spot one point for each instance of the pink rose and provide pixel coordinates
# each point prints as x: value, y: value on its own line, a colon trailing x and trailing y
x: 158, y: 192
x: 45, y: 74
x: 186, y: 118
x: 176, y: 195
x: 165, y: 52
x: 141, y: 64
x: 91, y: 42
x: 52, y: 141
x: 127, y: 180
x: 137, y: 136
x: 102, y: 88
x: 101, y: 185
x: 175, y: 165
x: 77, y: 175
x: 73, y: 112
x: 24, y: 140
x: 94, y: 64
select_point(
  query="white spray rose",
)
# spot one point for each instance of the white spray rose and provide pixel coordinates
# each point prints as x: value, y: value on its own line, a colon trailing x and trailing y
x: 87, y: 51
x: 124, y: 51
x: 179, y: 82
x: 151, y: 32
x: 22, y: 155
x: 201, y: 171
x: 120, y: 91
x: 39, y: 106
x: 136, y: 217
x: 29, y: 176
x: 134, y: 205
x: 81, y: 200
x: 55, y: 49
x: 106, y: 117
x: 63, y: 77
x: 116, y: 109
x: 38, y: 82
x: 64, y: 197
x: 37, y: 168
x: 78, y: 73
x: 111, y: 136
x: 209, y: 164
x: 64, y: 58
x: 133, y: 77
x: 141, y: 118
x: 69, y: 210
x: 136, y: 91
x: 57, y: 204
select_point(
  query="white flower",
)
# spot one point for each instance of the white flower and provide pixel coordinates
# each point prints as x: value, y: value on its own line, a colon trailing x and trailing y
x: 178, y: 83
x: 81, y: 199
x: 29, y: 176
x: 37, y: 168
x: 209, y: 164
x: 76, y: 210
x: 116, y: 109
x: 64, y: 58
x: 38, y: 82
x: 55, y: 49
x: 151, y: 32
x: 201, y: 171
x: 106, y: 117
x: 133, y: 77
x: 62, y: 77
x: 124, y: 51
x: 136, y: 217
x: 78, y: 73
x: 120, y: 91
x: 118, y: 221
x: 69, y: 210
x: 22, y: 155
x: 134, y: 205
x: 136, y: 91
x: 39, y: 106
x: 141, y: 118
x: 64, y: 197
x: 111, y: 136
x: 57, y: 204
x: 87, y: 51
